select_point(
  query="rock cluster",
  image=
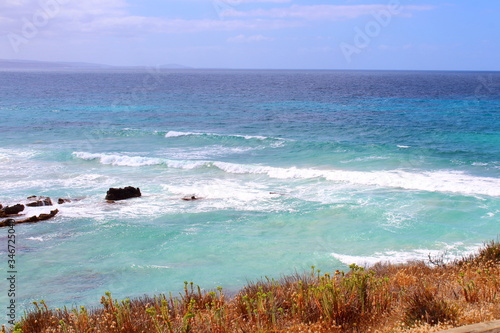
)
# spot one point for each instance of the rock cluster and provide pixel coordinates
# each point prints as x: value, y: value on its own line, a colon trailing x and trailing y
x: 39, y: 201
x: 32, y: 219
x: 10, y: 212
x: 34, y: 201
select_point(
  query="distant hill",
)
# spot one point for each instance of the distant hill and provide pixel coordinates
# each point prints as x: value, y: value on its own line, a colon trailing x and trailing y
x: 32, y: 64
x: 175, y: 66
x: 9, y: 64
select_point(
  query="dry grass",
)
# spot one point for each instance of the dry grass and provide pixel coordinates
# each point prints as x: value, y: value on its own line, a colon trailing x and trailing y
x: 414, y: 297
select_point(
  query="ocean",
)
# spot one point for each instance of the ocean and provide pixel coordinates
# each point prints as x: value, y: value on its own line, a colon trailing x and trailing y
x: 293, y: 169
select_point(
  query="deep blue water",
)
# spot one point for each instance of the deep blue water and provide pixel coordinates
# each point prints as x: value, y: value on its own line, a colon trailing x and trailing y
x: 295, y: 168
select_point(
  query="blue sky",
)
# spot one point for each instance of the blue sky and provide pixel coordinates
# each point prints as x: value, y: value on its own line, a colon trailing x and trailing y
x: 279, y: 34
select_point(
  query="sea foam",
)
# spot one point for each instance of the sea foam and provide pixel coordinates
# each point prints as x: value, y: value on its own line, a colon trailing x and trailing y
x: 449, y: 252
x: 431, y: 181
x: 137, y: 161
x: 173, y: 134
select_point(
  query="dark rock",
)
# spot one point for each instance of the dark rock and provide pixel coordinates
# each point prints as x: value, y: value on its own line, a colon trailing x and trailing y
x: 41, y: 217
x: 32, y: 219
x: 41, y: 201
x: 62, y: 201
x: 1, y: 206
x: 191, y: 198
x: 123, y: 193
x: 13, y: 210
x: 7, y: 223
x: 110, y: 201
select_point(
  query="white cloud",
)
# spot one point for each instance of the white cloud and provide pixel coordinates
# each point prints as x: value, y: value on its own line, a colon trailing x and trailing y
x: 140, y: 24
x: 248, y: 39
x: 47, y: 14
x: 324, y: 12
x: 111, y: 17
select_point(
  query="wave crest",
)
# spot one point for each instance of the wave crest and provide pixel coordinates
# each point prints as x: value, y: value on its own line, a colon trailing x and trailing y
x: 173, y: 134
x: 435, y: 181
x: 449, y: 253
x: 137, y: 161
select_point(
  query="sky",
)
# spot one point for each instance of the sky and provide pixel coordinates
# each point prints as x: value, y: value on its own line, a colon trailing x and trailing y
x: 256, y: 34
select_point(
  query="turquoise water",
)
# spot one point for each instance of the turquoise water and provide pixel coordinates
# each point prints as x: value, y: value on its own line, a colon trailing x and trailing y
x: 295, y: 168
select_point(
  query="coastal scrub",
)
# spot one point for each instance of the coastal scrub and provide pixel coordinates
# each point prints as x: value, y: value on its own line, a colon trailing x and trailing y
x: 411, y: 297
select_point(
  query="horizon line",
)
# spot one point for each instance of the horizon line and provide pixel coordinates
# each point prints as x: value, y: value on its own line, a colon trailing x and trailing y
x: 82, y: 65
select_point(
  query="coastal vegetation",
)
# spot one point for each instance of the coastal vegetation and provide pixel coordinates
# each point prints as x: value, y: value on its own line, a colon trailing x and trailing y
x: 412, y: 297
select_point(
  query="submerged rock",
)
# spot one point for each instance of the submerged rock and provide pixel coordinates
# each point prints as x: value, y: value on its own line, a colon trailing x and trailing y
x: 191, y: 198
x: 115, y: 194
x: 62, y: 201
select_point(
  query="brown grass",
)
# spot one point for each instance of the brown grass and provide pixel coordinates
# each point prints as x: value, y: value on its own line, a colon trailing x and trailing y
x: 413, y: 297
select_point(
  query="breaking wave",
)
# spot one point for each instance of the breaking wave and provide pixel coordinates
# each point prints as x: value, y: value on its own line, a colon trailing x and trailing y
x: 432, y: 181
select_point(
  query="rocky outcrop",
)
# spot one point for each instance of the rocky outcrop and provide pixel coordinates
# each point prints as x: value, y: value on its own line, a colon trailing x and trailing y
x: 32, y: 219
x: 41, y: 217
x: 11, y: 210
x: 115, y: 194
x: 7, y: 223
x: 39, y: 201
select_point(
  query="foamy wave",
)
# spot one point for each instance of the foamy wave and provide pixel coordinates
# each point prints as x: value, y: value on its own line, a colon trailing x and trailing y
x: 7, y: 154
x: 207, y: 152
x: 40, y: 239
x: 122, y: 160
x: 173, y: 134
x: 436, y: 181
x: 136, y: 161
x: 4, y: 157
x: 448, y: 253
